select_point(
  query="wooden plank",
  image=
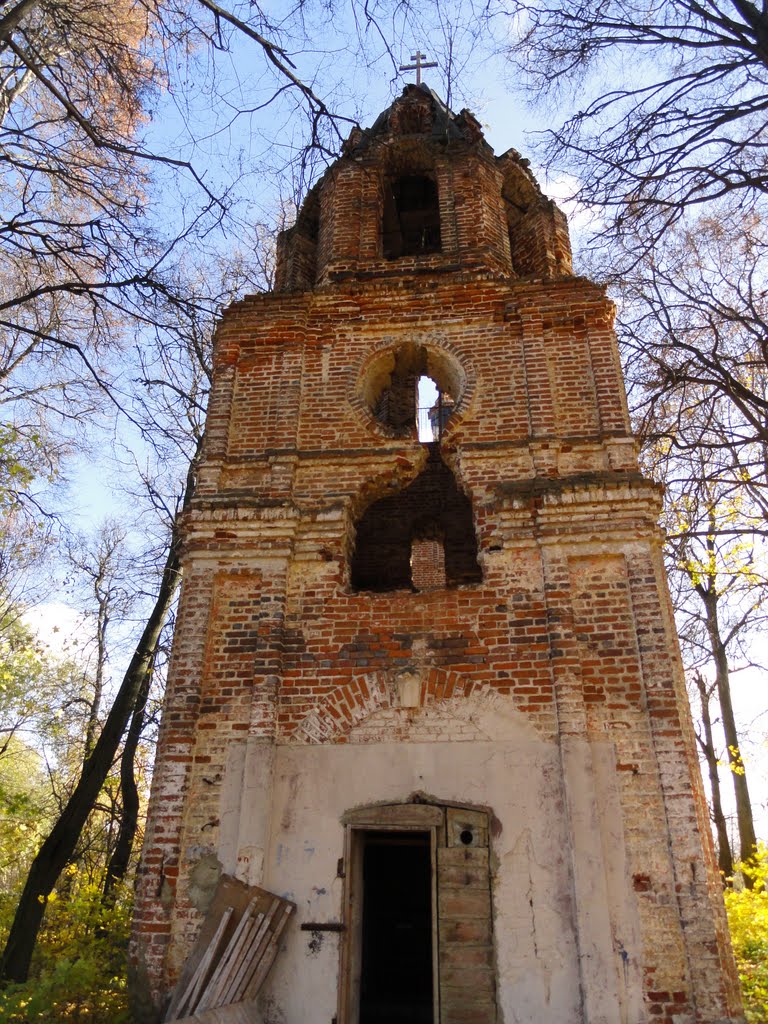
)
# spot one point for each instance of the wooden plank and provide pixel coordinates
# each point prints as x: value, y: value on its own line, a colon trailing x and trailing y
x: 464, y: 903
x: 269, y: 954
x: 208, y: 996
x: 474, y: 824
x: 230, y: 892
x: 186, y: 998
x: 218, y: 996
x: 219, y: 971
x: 437, y: 839
x: 236, y: 989
x: 467, y: 977
x: 258, y: 949
x: 460, y: 866
x: 256, y: 964
x: 247, y: 957
x: 189, y: 998
x: 404, y: 816
x: 219, y: 979
x: 237, y: 1013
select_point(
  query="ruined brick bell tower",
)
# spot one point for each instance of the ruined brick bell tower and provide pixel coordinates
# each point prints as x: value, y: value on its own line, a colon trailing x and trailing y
x: 429, y: 691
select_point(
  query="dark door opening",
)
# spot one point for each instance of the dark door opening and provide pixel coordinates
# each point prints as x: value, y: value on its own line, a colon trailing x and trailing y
x: 396, y: 967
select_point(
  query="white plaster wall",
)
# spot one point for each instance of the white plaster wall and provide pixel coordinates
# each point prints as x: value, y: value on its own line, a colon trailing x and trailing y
x: 312, y: 787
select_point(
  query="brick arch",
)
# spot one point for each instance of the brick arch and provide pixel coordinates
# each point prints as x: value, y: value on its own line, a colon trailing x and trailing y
x: 406, y: 153
x: 342, y: 708
x: 350, y: 704
x: 442, y: 357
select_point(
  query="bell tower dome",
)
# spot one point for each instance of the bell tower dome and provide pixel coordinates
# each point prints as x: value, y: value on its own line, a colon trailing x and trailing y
x: 422, y: 192
x: 425, y: 706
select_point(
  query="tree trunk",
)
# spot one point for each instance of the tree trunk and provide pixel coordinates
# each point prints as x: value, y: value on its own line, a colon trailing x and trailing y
x: 129, y: 820
x: 724, y: 855
x: 102, y: 620
x: 60, y: 844
x: 10, y: 21
x: 747, y: 837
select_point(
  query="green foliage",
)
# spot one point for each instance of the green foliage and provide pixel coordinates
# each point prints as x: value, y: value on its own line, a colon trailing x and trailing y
x: 25, y: 809
x: 15, y: 470
x: 25, y: 686
x: 44, y: 698
x: 29, y: 692
x: 748, y: 920
x: 78, y: 972
x: 79, y: 969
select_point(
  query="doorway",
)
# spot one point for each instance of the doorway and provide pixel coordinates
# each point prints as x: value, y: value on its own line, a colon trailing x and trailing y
x: 417, y: 915
x: 396, y: 968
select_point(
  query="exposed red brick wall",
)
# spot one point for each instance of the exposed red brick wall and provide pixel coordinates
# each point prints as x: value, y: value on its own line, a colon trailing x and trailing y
x: 428, y: 564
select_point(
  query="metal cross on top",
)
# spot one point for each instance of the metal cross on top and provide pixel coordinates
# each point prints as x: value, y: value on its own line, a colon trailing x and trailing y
x: 418, y: 57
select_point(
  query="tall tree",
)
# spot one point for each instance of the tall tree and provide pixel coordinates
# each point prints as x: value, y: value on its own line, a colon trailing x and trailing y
x: 706, y: 739
x: 42, y: 699
x: 174, y: 385
x: 721, y: 597
x: 120, y: 859
x: 687, y: 125
x: 60, y: 844
x: 101, y: 565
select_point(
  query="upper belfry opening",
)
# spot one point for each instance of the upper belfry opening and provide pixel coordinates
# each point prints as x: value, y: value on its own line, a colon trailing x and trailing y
x: 421, y: 191
x: 411, y: 217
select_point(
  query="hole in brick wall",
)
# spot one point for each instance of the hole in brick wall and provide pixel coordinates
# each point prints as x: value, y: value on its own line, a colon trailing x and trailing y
x: 435, y: 408
x: 421, y: 538
x: 411, y: 217
x: 412, y: 391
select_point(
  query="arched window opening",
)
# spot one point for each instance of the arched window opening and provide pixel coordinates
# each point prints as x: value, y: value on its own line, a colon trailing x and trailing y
x: 412, y: 393
x: 411, y: 221
x: 404, y: 540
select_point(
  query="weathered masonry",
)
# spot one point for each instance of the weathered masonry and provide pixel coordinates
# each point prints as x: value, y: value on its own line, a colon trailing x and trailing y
x: 429, y: 691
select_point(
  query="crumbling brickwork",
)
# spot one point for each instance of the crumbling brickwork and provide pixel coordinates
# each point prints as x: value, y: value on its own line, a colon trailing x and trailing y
x: 537, y: 679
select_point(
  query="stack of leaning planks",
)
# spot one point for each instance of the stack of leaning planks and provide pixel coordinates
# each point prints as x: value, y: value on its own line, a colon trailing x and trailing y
x: 234, y: 962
